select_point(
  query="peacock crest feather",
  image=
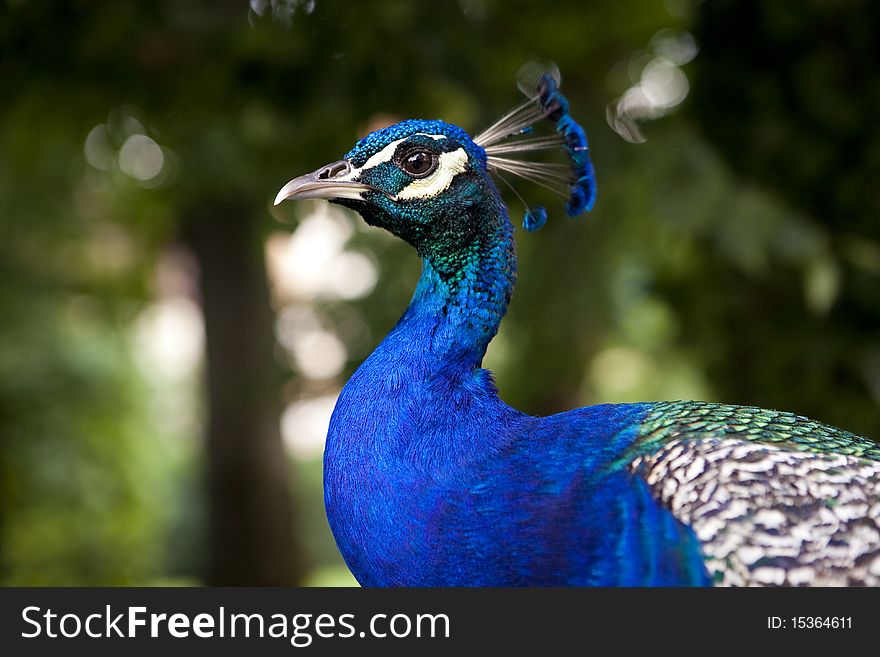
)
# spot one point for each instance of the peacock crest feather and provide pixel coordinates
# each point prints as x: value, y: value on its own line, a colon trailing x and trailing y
x: 510, y: 137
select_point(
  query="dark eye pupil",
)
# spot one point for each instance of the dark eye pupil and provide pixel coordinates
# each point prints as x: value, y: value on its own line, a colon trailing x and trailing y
x: 418, y: 163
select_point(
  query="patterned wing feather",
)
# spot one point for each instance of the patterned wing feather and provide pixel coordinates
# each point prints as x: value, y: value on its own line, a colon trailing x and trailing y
x: 774, y: 498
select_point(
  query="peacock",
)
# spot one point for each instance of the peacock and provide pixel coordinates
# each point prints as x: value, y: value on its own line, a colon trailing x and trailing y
x: 430, y: 479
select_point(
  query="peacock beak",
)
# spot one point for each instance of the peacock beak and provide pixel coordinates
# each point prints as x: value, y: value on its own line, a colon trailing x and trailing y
x: 333, y: 181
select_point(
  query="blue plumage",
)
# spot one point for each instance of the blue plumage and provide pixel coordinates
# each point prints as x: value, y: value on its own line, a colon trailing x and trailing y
x: 431, y: 479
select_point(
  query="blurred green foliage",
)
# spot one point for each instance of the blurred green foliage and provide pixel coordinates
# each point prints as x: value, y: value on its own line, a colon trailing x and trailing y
x: 734, y: 255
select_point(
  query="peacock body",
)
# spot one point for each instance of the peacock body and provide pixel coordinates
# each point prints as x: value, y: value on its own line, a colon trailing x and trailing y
x: 431, y: 479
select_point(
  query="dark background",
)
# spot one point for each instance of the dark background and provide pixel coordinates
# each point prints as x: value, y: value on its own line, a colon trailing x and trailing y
x: 171, y: 345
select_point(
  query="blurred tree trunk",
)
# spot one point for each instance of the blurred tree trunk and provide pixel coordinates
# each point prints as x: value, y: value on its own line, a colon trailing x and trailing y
x: 251, y: 529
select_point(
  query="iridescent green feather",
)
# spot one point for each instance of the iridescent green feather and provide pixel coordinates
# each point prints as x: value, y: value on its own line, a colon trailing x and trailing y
x: 684, y: 420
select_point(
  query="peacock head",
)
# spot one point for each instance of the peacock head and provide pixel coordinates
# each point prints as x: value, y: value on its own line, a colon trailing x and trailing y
x: 409, y: 178
x: 429, y: 182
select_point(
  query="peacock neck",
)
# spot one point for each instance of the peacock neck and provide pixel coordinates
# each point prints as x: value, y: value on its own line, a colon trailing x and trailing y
x: 462, y: 295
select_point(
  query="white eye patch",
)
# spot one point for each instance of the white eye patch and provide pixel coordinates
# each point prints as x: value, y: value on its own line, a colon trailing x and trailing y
x: 450, y: 165
x: 387, y: 153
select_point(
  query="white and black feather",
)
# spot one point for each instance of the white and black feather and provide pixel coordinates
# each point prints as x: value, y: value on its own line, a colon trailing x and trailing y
x: 769, y: 515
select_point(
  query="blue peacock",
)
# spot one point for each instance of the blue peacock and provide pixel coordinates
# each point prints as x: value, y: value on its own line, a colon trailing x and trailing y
x: 430, y: 479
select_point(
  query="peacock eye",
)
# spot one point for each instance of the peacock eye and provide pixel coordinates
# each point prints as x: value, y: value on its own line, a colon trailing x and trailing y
x: 419, y: 164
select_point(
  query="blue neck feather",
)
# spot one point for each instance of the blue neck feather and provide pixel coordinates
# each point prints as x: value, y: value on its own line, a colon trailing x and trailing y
x: 461, y: 300
x: 426, y: 375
